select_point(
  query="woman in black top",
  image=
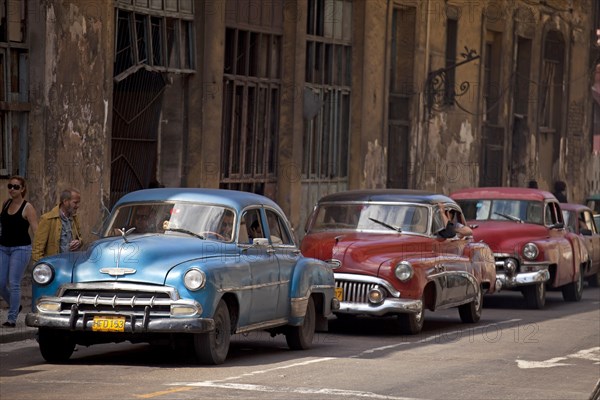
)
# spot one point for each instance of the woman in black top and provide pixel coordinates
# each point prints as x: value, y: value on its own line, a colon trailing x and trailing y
x: 15, y: 245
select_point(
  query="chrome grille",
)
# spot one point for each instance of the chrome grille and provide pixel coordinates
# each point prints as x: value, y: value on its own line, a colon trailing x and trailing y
x: 116, y: 301
x: 355, y: 292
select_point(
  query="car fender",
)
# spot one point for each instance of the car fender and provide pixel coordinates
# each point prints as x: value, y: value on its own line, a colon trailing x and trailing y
x: 229, y: 274
x: 580, y: 253
x: 311, y: 276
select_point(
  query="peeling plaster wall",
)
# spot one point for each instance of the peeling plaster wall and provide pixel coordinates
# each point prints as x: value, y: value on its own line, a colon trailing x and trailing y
x: 70, y: 121
x: 375, y: 166
x: 447, y: 151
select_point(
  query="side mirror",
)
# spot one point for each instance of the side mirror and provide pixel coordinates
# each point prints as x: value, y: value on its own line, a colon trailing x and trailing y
x: 559, y: 225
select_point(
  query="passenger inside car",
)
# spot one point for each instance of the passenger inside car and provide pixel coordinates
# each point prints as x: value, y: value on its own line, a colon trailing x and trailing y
x: 453, y: 226
x: 226, y: 226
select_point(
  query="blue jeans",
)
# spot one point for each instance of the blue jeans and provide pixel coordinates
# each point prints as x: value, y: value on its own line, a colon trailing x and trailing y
x: 13, y: 262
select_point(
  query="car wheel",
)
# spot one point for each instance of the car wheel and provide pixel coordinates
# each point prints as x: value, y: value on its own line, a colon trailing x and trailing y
x: 574, y: 290
x: 55, y: 346
x: 301, y: 337
x: 535, y: 295
x: 212, y: 347
x: 412, y: 323
x: 471, y: 312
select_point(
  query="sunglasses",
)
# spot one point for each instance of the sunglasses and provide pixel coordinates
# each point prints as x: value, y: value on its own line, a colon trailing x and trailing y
x: 11, y: 186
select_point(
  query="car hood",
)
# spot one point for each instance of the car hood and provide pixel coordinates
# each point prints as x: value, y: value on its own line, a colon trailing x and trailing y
x: 143, y: 258
x: 502, y: 236
x: 359, y: 252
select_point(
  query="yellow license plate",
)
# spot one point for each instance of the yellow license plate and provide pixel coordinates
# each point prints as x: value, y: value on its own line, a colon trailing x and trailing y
x: 108, y: 324
x: 339, y: 293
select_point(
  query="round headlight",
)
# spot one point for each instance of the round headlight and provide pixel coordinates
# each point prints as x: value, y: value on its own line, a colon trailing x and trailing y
x: 376, y: 295
x: 194, y: 279
x: 403, y: 271
x: 530, y: 251
x: 42, y: 274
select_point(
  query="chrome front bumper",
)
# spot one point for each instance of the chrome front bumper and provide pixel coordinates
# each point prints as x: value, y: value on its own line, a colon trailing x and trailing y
x: 388, y: 306
x: 522, y: 279
x: 81, y: 322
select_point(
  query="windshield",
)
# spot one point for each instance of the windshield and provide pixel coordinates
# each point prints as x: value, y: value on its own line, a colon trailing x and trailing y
x: 372, y: 217
x: 192, y: 219
x: 503, y: 210
x: 570, y: 220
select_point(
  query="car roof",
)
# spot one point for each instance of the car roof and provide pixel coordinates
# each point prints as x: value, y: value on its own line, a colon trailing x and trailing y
x: 513, y: 193
x: 229, y: 198
x: 393, y: 195
x: 574, y: 207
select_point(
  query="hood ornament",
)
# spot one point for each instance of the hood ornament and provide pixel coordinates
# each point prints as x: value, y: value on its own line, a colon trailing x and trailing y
x: 124, y: 232
x: 117, y: 271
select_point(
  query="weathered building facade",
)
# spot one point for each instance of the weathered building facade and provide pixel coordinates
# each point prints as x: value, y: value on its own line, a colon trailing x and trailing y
x: 295, y: 99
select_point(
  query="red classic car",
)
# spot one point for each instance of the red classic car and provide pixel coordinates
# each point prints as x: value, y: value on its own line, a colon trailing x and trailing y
x: 389, y: 257
x: 532, y: 247
x: 580, y: 219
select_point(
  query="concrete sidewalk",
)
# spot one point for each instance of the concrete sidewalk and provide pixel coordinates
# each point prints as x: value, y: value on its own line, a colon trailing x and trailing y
x: 19, y: 332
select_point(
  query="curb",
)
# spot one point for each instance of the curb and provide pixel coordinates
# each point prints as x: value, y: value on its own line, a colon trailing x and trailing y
x: 17, y: 334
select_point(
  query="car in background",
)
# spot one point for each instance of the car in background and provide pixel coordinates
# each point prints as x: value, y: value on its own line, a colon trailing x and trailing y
x: 531, y: 245
x: 580, y: 220
x: 593, y: 202
x: 389, y: 259
x: 183, y: 265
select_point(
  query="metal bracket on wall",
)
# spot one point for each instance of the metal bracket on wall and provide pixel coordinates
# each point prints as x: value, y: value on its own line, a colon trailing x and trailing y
x: 441, y: 92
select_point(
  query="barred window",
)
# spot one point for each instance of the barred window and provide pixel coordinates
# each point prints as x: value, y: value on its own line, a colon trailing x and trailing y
x: 14, y: 87
x: 552, y: 82
x: 327, y: 89
x: 251, y: 95
x: 155, y: 35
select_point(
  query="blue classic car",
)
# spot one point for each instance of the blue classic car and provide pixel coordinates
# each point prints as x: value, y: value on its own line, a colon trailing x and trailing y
x: 190, y: 265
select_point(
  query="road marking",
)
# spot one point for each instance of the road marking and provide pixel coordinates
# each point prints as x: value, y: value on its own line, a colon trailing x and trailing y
x: 592, y: 354
x: 222, y: 383
x: 435, y: 337
x: 164, y: 392
x: 283, y: 389
x: 264, y: 371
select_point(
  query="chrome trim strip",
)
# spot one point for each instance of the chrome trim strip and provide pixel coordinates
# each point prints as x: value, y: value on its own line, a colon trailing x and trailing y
x: 132, y: 287
x: 262, y: 325
x: 313, y: 287
x: 503, y: 255
x: 250, y: 287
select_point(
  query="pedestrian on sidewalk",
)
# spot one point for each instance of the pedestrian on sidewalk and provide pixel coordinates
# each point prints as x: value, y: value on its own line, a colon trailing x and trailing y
x: 17, y: 216
x: 560, y: 191
x: 59, y: 230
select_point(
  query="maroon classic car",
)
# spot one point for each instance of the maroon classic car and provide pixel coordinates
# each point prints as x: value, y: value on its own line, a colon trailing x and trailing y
x: 532, y: 247
x: 580, y: 219
x: 390, y: 259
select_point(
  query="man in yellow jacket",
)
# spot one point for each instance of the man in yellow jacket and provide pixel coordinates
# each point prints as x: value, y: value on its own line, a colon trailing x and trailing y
x: 58, y: 230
